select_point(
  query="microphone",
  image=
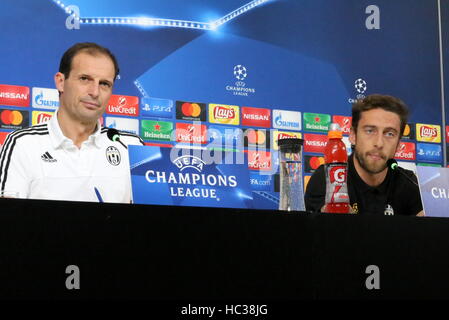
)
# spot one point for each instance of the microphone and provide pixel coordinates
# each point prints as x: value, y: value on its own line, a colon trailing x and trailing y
x: 393, y: 165
x: 114, y: 135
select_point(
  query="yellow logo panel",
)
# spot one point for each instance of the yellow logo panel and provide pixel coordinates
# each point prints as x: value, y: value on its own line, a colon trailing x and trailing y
x: 282, y: 135
x: 39, y: 117
x: 428, y: 132
x: 224, y: 114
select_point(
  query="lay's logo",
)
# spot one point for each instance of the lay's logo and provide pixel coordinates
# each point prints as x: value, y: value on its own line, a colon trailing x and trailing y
x: 278, y: 135
x: 428, y: 133
x: 39, y: 117
x: 224, y: 114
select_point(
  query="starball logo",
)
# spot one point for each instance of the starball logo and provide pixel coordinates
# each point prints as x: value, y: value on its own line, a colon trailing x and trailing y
x: 240, y: 73
x: 361, y: 87
x: 14, y: 95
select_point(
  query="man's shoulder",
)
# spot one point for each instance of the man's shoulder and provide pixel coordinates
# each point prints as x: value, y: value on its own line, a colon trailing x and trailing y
x: 407, y: 172
x: 29, y: 133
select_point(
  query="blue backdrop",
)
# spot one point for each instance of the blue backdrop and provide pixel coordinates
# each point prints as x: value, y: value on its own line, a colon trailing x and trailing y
x: 298, y: 55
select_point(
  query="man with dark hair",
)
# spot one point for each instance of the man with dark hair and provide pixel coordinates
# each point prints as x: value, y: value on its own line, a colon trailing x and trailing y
x: 70, y: 157
x: 378, y: 122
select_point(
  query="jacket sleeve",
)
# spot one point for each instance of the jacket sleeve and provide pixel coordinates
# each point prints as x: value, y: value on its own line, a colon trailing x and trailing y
x: 14, y: 167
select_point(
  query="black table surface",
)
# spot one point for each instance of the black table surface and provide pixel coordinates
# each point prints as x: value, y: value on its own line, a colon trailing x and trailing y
x: 169, y: 253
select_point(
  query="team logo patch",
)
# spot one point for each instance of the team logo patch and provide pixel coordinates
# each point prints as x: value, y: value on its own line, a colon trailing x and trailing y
x: 113, y: 155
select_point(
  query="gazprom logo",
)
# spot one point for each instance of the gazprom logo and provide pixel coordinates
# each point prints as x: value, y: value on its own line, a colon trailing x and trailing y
x: 45, y: 98
x: 283, y: 119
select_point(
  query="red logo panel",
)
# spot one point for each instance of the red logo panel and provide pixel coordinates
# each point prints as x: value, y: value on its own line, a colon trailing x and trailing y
x: 256, y: 117
x: 344, y: 122
x: 14, y: 95
x: 259, y: 160
x: 123, y: 105
x: 406, y: 151
x: 314, y: 142
x: 191, y: 133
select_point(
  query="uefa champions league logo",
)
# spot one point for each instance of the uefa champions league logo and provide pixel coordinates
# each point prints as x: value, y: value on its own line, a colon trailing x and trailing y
x: 240, y: 72
x: 360, y: 85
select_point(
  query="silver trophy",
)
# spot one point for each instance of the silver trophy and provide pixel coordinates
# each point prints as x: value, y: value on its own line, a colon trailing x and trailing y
x: 291, y: 191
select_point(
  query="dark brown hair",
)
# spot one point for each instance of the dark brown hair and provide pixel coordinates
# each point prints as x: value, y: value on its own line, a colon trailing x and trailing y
x: 385, y: 102
x: 89, y: 47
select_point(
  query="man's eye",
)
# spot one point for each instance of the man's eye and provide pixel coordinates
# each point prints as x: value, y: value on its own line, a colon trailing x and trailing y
x: 390, y: 134
x: 83, y: 78
x: 105, y: 84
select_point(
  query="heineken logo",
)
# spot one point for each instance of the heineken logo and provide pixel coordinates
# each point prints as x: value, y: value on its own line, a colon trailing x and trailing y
x: 316, y: 121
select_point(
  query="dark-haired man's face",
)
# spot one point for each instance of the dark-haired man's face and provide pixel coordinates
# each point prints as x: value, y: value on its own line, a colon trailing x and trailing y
x: 376, y: 139
x: 86, y: 92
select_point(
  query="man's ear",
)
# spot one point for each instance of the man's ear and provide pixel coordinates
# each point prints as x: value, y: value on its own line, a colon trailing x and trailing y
x: 59, y: 82
x: 352, y: 136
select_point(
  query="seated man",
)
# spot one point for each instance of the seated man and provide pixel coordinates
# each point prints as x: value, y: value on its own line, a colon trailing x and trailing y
x: 70, y: 157
x: 378, y: 122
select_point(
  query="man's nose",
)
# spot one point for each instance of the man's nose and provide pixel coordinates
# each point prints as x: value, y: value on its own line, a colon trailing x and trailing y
x: 379, y: 140
x: 94, y: 89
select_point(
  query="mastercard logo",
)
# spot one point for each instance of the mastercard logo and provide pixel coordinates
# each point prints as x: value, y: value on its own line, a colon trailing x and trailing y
x: 315, y: 162
x: 11, y: 117
x: 406, y: 130
x: 191, y: 109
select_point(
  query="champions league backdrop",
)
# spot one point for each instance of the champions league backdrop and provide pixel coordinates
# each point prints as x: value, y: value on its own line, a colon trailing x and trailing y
x: 237, y: 75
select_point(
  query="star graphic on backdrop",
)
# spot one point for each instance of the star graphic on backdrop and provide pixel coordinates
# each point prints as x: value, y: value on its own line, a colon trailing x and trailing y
x: 157, y: 127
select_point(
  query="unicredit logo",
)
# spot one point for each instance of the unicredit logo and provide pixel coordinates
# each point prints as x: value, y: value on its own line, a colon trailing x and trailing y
x: 14, y: 95
x: 224, y: 113
x: 123, y: 105
x: 428, y: 132
x: 406, y: 151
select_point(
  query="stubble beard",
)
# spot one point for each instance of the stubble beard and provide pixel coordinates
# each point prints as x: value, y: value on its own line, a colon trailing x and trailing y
x: 371, y: 168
